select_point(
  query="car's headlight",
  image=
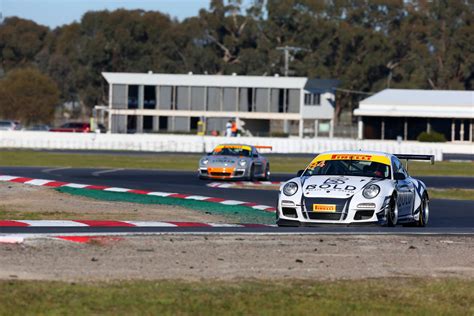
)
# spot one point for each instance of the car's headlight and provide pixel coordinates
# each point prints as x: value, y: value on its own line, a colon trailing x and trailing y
x: 371, y: 191
x: 243, y: 163
x: 290, y: 188
x: 204, y: 161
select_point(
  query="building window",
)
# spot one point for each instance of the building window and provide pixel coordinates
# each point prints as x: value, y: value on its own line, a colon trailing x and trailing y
x: 250, y: 99
x: 149, y: 101
x: 312, y: 99
x: 131, y: 124
x: 193, y: 124
x: 133, y: 97
x: 163, y: 123
x: 281, y: 100
x: 148, y: 124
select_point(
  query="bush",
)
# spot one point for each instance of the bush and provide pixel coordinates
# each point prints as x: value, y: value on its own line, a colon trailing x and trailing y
x: 29, y: 96
x: 279, y: 134
x: 432, y: 137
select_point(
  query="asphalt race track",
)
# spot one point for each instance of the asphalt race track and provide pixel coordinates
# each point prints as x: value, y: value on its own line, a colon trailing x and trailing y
x: 446, y: 216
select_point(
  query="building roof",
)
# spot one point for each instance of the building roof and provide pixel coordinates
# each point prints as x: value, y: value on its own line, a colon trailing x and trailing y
x: 216, y: 80
x: 418, y: 103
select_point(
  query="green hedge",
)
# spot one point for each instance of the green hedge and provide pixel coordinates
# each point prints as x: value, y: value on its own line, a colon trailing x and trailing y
x: 432, y: 137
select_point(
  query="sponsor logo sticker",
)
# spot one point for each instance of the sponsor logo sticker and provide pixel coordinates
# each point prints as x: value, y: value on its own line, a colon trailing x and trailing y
x: 324, y: 207
x: 351, y: 157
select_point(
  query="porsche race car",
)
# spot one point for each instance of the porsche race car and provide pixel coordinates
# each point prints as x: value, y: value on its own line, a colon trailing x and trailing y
x: 348, y: 187
x: 235, y: 161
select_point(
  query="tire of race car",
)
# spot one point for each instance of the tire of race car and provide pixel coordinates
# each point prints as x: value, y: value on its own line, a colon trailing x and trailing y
x: 266, y: 176
x: 392, y: 214
x: 287, y: 223
x: 424, y: 211
x: 251, y: 176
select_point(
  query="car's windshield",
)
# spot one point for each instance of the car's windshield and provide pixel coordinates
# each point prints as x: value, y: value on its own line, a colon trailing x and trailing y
x: 232, y: 151
x: 361, y: 168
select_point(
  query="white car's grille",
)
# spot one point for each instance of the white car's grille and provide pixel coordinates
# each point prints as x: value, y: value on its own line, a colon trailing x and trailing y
x: 339, y: 213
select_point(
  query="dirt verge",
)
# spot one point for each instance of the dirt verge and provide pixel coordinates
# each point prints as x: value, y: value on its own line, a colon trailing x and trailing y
x: 195, y: 257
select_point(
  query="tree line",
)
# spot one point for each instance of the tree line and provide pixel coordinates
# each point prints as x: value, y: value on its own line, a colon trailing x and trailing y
x: 367, y: 44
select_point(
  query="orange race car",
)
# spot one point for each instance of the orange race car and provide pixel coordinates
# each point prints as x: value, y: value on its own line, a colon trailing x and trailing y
x: 235, y: 161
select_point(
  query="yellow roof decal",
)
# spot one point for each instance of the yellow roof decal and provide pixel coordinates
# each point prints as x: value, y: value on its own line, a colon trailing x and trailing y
x: 220, y: 147
x: 365, y: 157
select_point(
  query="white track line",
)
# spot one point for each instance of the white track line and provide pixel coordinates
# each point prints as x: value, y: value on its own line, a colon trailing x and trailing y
x: 54, y: 169
x: 98, y: 173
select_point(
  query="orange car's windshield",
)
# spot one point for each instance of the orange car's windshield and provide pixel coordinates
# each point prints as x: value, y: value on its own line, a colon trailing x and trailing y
x: 231, y: 151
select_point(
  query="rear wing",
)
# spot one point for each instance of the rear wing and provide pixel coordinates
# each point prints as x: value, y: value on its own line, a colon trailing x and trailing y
x: 264, y: 147
x: 417, y: 157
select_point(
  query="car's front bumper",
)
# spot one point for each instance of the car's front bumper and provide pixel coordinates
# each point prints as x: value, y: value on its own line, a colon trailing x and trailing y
x: 222, y: 173
x: 298, y: 215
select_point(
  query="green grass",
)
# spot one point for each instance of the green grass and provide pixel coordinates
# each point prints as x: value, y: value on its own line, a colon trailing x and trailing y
x: 366, y: 297
x: 441, y: 168
x: 290, y: 164
x: 21, y: 215
x: 232, y: 213
x: 75, y: 160
x: 452, y: 194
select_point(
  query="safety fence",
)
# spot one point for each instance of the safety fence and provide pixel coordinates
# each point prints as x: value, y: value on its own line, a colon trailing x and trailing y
x: 199, y: 144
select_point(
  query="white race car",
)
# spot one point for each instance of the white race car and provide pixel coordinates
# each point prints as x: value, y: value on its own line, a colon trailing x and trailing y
x: 349, y: 187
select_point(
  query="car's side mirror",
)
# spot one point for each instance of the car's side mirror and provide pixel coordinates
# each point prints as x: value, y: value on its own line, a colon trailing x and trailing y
x: 299, y: 173
x: 399, y: 176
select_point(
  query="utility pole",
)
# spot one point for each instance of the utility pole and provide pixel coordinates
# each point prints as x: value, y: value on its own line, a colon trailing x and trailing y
x: 286, y: 52
x: 391, y: 65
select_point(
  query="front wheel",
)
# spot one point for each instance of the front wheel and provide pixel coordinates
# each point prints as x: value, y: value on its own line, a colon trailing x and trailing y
x: 251, y: 176
x: 392, y: 213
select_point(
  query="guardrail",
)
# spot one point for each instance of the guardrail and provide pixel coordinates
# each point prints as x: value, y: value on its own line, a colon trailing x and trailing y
x: 199, y: 144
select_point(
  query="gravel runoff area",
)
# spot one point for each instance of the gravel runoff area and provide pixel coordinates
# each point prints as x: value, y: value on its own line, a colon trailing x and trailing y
x: 196, y: 257
x: 234, y: 257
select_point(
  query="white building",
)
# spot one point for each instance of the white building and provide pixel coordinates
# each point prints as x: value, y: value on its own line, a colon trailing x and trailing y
x: 407, y: 113
x: 148, y: 102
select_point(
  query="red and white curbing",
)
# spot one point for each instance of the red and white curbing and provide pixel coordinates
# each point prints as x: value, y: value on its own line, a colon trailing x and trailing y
x: 11, y: 239
x: 57, y: 184
x: 97, y: 223
x: 243, y: 183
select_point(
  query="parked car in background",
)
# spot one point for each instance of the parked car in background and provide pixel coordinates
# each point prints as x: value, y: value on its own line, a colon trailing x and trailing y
x: 9, y: 125
x: 77, y: 127
x: 39, y: 127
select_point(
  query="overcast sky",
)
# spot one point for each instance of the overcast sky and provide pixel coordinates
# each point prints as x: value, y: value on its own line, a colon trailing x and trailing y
x: 54, y: 13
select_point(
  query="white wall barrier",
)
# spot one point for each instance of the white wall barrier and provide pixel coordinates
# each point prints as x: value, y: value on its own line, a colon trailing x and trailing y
x: 199, y: 144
